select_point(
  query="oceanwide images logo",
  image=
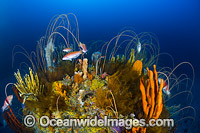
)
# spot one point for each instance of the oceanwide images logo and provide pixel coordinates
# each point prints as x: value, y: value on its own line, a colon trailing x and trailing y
x: 45, y: 121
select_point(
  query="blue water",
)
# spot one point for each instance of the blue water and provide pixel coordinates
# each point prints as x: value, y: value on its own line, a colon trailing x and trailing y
x: 175, y: 22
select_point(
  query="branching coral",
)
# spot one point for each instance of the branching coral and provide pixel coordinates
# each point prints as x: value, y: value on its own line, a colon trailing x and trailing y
x: 30, y: 84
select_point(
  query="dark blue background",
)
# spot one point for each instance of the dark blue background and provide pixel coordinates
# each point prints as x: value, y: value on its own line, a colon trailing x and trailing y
x: 175, y: 22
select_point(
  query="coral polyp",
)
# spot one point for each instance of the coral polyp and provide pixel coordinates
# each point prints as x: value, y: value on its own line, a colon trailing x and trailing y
x: 120, y: 82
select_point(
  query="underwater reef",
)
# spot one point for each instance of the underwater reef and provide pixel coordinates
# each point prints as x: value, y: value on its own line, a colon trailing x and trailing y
x: 116, y: 79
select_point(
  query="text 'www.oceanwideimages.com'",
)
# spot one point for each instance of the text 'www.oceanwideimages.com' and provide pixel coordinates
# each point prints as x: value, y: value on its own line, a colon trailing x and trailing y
x: 45, y: 121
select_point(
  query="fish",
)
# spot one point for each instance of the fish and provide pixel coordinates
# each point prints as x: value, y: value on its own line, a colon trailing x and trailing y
x: 72, y: 55
x: 7, y: 102
x: 83, y: 47
x: 165, y: 88
x: 139, y: 46
x: 67, y: 50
